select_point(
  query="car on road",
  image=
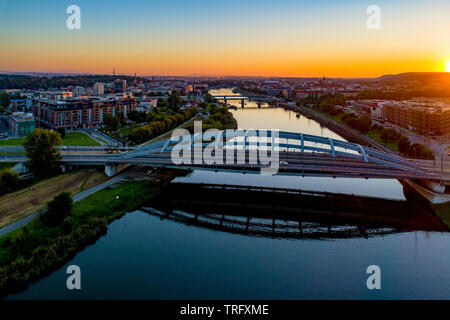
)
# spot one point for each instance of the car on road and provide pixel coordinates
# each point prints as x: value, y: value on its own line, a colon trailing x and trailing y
x: 285, y: 163
x: 110, y: 187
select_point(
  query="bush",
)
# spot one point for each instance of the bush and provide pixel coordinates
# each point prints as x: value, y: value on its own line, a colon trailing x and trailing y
x: 9, y: 180
x: 389, y: 135
x: 137, y: 116
x: 404, y: 144
x: 362, y: 124
x: 376, y: 127
x: 347, y: 116
x: 418, y: 150
x: 58, y: 209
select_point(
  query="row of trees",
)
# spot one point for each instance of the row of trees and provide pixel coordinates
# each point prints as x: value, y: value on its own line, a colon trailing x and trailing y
x: 114, y: 123
x: 158, y: 123
x: 415, y: 150
x: 362, y: 123
x: 219, y: 118
x: 327, y: 103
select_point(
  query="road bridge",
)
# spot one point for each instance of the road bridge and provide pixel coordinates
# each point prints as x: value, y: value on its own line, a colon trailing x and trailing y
x: 263, y: 151
x: 258, y: 98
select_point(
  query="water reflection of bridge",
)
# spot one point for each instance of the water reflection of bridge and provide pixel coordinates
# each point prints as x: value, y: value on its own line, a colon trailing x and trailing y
x: 269, y: 227
x: 289, y: 213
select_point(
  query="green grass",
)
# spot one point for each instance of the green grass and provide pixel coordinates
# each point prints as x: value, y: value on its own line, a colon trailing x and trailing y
x: 70, y: 139
x: 102, y: 204
x: 105, y: 204
x: 12, y: 142
x: 443, y: 211
x: 45, y: 248
x: 376, y: 135
x: 79, y: 139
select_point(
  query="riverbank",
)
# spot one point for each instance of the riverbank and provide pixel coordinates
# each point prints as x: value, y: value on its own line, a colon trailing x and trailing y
x: 31, y: 252
x: 443, y: 212
x: 347, y: 133
x: 17, y: 205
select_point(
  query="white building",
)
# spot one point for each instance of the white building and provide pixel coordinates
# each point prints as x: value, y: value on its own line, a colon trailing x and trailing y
x: 99, y: 88
x: 146, y: 105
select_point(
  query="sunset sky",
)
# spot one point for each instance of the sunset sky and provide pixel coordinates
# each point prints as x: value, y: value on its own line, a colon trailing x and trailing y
x: 234, y: 37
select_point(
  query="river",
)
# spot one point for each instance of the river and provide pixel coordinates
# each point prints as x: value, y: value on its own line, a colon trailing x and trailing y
x: 146, y: 256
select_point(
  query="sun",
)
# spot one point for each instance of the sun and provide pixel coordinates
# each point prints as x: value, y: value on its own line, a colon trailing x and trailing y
x: 447, y: 65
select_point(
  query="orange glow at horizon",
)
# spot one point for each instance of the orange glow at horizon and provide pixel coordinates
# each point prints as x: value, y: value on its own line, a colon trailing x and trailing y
x: 166, y: 62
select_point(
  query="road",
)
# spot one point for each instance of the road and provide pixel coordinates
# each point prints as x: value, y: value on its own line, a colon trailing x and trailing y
x: 438, y: 144
x: 98, y: 136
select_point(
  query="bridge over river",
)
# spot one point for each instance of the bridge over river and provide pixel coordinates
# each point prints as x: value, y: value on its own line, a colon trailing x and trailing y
x: 263, y: 151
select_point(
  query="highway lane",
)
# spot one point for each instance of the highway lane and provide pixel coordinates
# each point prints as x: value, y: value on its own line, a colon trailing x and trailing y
x: 290, y: 163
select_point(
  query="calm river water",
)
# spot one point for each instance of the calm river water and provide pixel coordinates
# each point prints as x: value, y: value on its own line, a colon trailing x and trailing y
x: 146, y: 257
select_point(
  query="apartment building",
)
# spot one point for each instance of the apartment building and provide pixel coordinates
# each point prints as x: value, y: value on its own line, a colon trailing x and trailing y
x: 79, y: 113
x: 427, y: 118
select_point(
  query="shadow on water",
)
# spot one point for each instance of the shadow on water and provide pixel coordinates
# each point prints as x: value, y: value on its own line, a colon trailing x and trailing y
x: 289, y: 213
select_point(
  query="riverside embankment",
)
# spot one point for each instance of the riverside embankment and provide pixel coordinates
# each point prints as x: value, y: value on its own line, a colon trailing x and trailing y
x: 344, y: 131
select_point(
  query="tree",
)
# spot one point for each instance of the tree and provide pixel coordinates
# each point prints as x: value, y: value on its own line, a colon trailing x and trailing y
x: 58, y: 209
x: 42, y: 152
x: 137, y: 116
x: 404, y: 144
x: 389, y: 135
x: 112, y: 122
x: 115, y: 123
x: 418, y: 150
x: 364, y: 123
x: 9, y: 180
x: 4, y: 99
x: 209, y: 98
x: 107, y: 119
x: 62, y: 132
x: 174, y: 101
x: 121, y: 117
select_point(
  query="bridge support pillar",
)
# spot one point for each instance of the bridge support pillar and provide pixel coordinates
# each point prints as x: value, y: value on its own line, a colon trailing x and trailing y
x: 20, y: 168
x: 113, y: 169
x: 434, y: 186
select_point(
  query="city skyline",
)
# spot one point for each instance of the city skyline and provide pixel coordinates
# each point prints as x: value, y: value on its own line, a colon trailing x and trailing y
x: 286, y: 39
